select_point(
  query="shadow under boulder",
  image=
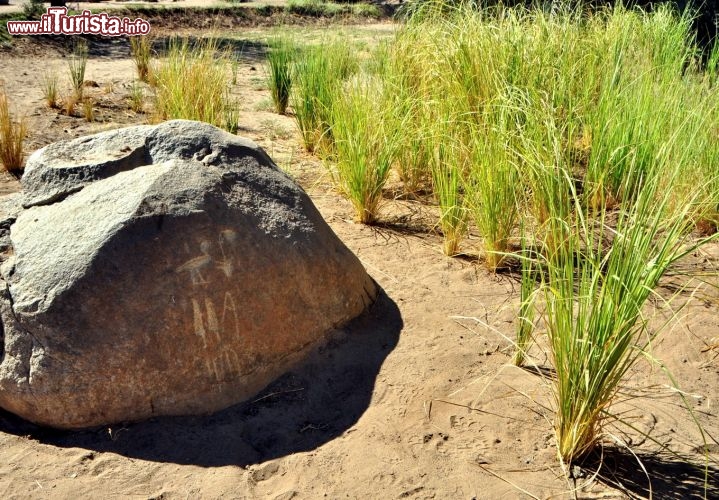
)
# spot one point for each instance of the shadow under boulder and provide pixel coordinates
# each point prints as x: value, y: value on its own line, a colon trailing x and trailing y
x: 300, y: 411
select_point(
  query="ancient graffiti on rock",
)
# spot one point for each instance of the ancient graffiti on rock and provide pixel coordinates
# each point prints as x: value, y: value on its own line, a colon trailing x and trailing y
x: 228, y: 238
x: 230, y: 313
x: 225, y: 258
x: 205, y: 319
x: 195, y: 265
x: 225, y: 366
x: 209, y: 272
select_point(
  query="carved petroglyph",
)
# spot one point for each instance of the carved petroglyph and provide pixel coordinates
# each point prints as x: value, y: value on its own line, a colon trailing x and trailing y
x: 228, y: 238
x: 209, y: 368
x: 210, y: 323
x: 227, y: 267
x: 229, y: 307
x: 198, y: 322
x: 229, y: 235
x: 218, y: 369
x: 195, y: 265
x: 207, y: 321
x: 226, y: 365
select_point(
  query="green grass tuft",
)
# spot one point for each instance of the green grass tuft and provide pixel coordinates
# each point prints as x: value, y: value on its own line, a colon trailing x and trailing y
x: 365, y: 145
x: 280, y: 57
x: 318, y: 75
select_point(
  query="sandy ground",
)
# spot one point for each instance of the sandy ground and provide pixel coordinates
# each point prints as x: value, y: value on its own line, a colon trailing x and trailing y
x: 414, y: 400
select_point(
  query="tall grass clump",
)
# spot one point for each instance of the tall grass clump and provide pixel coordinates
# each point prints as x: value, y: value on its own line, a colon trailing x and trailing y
x: 88, y: 109
x: 279, y: 77
x: 594, y: 296
x: 548, y: 173
x: 12, y: 136
x: 600, y: 133
x: 365, y: 141
x: 493, y: 184
x: 709, y: 160
x: 141, y: 51
x: 232, y: 114
x: 414, y: 159
x: 407, y: 67
x: 137, y: 98
x: 599, y: 271
x: 447, y: 170
x: 318, y: 74
x: 712, y: 67
x: 192, y: 83
x: 528, y: 292
x: 77, y: 63
x: 628, y: 126
x: 69, y: 101
x: 645, y: 57
x: 697, y: 129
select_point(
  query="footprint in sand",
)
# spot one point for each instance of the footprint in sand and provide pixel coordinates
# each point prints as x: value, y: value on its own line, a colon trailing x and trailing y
x: 386, y: 479
x: 430, y: 440
x: 264, y: 472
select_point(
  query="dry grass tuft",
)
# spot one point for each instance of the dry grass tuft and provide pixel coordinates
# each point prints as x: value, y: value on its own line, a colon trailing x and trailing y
x: 88, y: 109
x: 12, y: 136
x: 137, y: 98
x: 69, y: 101
x: 141, y: 50
x: 49, y: 89
x: 77, y: 63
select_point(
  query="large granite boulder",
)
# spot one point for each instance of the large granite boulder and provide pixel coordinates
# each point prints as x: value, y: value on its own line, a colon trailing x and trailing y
x: 161, y: 270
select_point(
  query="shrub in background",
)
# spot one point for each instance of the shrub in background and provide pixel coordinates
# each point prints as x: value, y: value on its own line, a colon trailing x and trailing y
x: 33, y: 9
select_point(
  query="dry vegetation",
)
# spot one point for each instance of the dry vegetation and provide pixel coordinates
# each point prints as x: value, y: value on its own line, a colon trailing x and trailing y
x: 12, y: 136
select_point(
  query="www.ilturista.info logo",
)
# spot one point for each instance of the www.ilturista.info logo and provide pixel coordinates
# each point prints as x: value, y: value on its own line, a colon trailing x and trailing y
x: 57, y: 22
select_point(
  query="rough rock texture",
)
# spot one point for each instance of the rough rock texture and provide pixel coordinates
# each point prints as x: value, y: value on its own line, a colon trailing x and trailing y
x: 162, y: 270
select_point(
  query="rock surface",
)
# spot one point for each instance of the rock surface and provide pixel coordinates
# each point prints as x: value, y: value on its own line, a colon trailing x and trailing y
x: 162, y: 270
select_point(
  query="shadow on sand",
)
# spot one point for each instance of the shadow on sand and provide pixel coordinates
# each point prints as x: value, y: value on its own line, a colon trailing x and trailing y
x: 302, y: 410
x: 245, y: 51
x: 669, y: 476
